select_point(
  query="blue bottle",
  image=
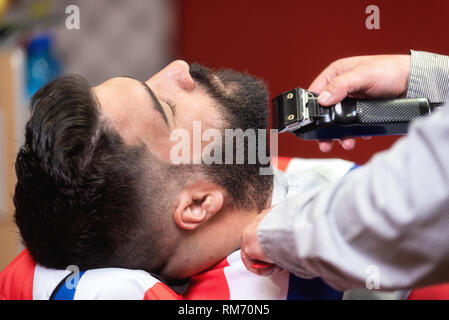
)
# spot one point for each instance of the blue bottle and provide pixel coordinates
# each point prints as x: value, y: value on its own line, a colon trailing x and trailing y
x: 42, y: 64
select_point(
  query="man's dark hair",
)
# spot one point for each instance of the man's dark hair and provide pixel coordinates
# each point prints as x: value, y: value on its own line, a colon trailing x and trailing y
x: 80, y: 196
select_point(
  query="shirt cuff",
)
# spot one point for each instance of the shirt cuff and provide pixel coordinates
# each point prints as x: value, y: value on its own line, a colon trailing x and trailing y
x: 429, y: 76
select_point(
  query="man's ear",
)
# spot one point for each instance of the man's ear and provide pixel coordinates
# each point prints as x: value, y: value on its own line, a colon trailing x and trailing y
x: 197, y: 203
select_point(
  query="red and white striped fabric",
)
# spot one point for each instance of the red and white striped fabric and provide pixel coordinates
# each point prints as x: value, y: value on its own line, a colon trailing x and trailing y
x: 230, y: 280
x: 23, y: 279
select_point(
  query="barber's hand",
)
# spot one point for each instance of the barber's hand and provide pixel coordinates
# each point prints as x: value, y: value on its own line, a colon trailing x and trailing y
x: 380, y: 76
x: 253, y: 256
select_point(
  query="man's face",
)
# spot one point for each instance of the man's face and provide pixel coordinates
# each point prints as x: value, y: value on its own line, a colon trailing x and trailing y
x: 148, y: 111
x: 177, y: 96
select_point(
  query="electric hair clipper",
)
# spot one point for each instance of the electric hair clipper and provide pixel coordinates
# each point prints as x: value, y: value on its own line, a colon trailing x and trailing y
x: 298, y: 111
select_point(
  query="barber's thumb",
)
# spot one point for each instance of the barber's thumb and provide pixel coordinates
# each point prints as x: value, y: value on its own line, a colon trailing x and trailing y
x: 336, y: 90
x: 329, y: 98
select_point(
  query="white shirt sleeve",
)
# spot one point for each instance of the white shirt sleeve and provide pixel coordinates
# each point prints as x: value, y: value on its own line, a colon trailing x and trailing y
x: 384, y: 224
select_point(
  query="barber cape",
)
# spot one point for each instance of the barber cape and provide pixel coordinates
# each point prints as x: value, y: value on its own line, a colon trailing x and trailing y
x: 23, y: 279
x: 228, y: 279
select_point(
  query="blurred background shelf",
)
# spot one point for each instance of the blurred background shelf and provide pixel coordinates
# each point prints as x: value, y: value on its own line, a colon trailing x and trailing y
x: 12, y: 118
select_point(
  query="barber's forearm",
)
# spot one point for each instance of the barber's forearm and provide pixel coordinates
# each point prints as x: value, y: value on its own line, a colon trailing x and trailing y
x: 429, y: 76
x: 390, y: 216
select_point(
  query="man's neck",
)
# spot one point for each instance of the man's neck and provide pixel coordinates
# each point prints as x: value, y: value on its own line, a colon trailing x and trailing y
x: 211, y: 243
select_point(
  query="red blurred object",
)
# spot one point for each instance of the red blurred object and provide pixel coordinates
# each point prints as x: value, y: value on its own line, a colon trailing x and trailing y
x: 436, y: 292
x: 288, y: 43
x: 260, y: 265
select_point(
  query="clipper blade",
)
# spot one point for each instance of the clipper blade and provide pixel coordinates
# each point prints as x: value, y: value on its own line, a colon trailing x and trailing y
x: 286, y: 110
x: 275, y: 114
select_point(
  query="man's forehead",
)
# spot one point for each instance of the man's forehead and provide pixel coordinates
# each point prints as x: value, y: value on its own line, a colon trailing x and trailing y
x: 130, y: 110
x: 115, y: 88
x: 118, y: 81
x: 118, y: 86
x: 118, y: 98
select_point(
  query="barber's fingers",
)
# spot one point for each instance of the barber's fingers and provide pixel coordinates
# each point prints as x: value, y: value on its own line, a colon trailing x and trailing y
x: 347, y: 143
x: 340, y: 79
x: 323, y: 79
x: 258, y: 267
x: 326, y: 145
x: 343, y: 85
x: 336, y: 89
x: 335, y: 69
x: 253, y: 256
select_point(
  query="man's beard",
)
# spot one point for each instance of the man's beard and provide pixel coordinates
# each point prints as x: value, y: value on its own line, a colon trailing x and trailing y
x: 243, y: 98
x: 243, y: 103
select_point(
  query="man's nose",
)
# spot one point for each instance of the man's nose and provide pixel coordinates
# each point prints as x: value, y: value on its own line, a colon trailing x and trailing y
x: 177, y: 73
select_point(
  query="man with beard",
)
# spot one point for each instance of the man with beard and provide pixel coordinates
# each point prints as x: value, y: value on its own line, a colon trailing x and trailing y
x: 96, y: 187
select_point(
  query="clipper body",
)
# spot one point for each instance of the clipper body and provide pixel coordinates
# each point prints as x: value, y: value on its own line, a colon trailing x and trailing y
x: 298, y: 111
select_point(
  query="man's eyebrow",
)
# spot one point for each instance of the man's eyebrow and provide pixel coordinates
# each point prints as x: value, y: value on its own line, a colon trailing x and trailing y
x: 156, y: 102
